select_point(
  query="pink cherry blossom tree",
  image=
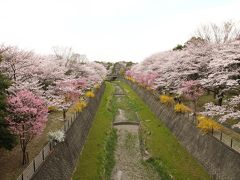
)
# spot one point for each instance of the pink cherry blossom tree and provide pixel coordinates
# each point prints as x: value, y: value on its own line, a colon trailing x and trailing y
x: 216, y: 66
x: 58, y: 78
x: 222, y: 72
x: 21, y: 67
x: 192, y: 90
x: 145, y: 78
x: 65, y: 93
x: 16, y: 63
x: 27, y: 117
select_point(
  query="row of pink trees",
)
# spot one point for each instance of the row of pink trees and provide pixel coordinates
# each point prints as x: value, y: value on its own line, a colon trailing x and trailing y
x: 216, y: 67
x: 145, y: 78
x: 42, y: 81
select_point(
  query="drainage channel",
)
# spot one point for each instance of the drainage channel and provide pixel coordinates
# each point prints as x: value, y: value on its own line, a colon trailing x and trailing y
x: 129, y: 164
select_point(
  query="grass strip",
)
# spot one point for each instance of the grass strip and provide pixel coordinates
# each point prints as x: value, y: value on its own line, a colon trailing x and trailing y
x: 160, y: 168
x: 109, y: 160
x: 94, y: 159
x: 169, y: 157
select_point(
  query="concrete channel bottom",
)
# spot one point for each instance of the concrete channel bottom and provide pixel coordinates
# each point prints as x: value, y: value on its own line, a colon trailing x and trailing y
x: 129, y: 164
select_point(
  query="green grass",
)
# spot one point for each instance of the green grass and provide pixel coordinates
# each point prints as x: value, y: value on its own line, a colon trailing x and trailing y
x: 109, y: 160
x: 168, y: 157
x: 130, y: 142
x: 95, y: 162
x: 124, y: 103
x: 160, y: 168
x: 206, y: 98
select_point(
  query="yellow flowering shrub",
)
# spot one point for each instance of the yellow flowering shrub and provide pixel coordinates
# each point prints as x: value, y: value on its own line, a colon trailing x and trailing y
x: 52, y: 108
x: 149, y: 88
x: 127, y: 77
x: 89, y: 94
x: 130, y: 78
x: 206, y: 124
x: 168, y: 100
x: 141, y: 85
x: 96, y: 86
x: 181, y: 108
x: 133, y: 80
x: 78, y: 106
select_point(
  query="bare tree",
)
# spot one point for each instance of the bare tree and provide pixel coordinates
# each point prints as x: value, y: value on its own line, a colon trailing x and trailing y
x: 225, y: 32
x: 3, y: 49
x: 63, y: 53
x: 204, y: 32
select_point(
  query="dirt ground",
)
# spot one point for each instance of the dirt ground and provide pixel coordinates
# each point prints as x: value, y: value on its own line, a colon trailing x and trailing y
x: 10, y: 161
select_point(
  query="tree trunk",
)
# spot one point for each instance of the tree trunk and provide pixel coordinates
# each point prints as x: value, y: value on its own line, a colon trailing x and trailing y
x: 219, y: 98
x: 220, y: 102
x: 194, y: 111
x: 208, y: 92
x: 214, y: 94
x: 24, y: 148
x: 24, y: 156
x: 23, y: 143
x: 64, y: 114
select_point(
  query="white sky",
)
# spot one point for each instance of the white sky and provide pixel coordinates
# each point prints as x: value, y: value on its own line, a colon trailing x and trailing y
x: 109, y: 30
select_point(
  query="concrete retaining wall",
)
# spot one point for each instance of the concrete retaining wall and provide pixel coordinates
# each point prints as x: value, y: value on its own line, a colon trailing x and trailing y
x: 220, y: 161
x: 60, y: 164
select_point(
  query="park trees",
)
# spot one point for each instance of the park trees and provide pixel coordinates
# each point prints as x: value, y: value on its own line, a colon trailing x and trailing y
x: 20, y: 67
x: 219, y: 33
x: 230, y: 110
x: 215, y: 66
x: 27, y: 117
x: 7, y: 140
x: 16, y: 63
x: 65, y: 93
x: 223, y: 70
x: 192, y: 90
x: 38, y: 82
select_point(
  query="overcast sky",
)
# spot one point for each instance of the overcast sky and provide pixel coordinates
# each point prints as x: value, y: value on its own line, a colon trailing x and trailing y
x: 109, y: 30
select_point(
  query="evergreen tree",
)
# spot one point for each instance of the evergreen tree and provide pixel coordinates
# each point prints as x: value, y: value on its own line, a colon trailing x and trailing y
x: 7, y: 140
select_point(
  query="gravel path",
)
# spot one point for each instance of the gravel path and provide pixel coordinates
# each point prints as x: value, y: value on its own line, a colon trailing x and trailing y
x: 120, y: 116
x: 129, y: 164
x: 118, y: 90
